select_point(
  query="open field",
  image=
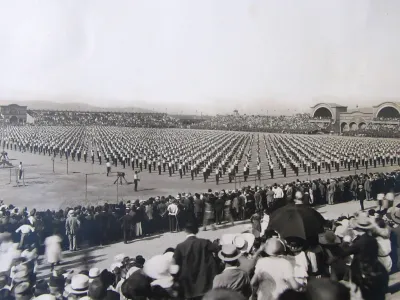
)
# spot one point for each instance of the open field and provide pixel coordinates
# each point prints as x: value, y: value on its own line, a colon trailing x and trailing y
x: 47, y: 190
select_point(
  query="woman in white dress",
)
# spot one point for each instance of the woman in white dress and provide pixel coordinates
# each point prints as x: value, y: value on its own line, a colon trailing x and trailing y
x: 53, y: 250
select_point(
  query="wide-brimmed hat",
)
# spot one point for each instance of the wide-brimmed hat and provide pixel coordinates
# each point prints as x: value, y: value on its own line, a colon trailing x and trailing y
x: 45, y: 297
x: 160, y: 266
x: 244, y: 242
x: 362, y: 222
x: 22, y: 288
x: 71, y: 212
x: 94, y: 273
x: 229, y: 253
x: 394, y: 215
x: 21, y: 273
x: 328, y: 238
x: 79, y: 285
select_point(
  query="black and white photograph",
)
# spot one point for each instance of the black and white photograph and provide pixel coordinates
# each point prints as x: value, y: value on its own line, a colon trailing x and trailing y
x: 200, y: 150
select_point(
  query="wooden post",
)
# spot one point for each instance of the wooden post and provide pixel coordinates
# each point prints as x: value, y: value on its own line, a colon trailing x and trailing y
x: 86, y: 188
x: 117, y: 188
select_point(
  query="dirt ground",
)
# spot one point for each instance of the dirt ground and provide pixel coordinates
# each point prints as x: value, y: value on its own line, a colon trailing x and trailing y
x: 44, y: 189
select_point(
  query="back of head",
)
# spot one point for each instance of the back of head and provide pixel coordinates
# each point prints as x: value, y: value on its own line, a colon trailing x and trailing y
x: 223, y: 294
x: 191, y: 228
x: 326, y: 289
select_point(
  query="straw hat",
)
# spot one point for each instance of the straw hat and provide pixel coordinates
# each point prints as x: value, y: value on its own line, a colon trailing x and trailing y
x: 21, y: 273
x: 158, y: 267
x: 229, y: 253
x: 363, y: 222
x: 244, y: 242
x: 79, y: 285
x: 45, y: 297
x: 94, y: 273
x: 23, y: 289
x: 395, y: 215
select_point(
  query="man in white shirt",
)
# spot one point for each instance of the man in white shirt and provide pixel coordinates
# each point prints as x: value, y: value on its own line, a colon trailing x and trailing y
x: 108, y: 165
x: 20, y: 170
x: 172, y: 216
x: 25, y: 230
x: 278, y: 192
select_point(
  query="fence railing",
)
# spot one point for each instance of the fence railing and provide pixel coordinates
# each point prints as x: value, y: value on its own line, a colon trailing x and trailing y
x: 9, y: 176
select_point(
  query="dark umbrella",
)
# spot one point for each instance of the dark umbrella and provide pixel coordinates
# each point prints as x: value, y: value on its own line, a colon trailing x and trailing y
x: 299, y: 221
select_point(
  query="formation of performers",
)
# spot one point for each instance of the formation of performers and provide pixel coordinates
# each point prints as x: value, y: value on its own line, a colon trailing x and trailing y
x: 206, y: 154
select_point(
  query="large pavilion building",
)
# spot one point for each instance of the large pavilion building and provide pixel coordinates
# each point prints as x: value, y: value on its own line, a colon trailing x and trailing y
x: 13, y: 114
x: 342, y: 119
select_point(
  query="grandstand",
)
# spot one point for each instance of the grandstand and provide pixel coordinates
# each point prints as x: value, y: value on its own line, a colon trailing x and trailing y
x: 382, y: 120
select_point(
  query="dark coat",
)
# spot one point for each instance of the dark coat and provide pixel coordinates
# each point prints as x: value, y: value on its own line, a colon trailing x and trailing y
x: 198, y: 205
x: 197, y: 266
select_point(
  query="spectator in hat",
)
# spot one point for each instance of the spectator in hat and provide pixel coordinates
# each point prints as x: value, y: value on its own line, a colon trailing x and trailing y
x: 361, y: 195
x: 72, y: 226
x: 369, y: 274
x: 78, y: 287
x: 56, y: 285
x: 197, y: 265
x: 41, y: 288
x: 394, y: 217
x: 5, y: 289
x: 274, y: 274
x: 93, y: 274
x: 232, y: 277
x: 45, y: 297
x: 98, y: 291
x: 382, y: 235
x: 330, y: 244
x: 137, y: 286
x: 22, y: 291
x: 161, y: 269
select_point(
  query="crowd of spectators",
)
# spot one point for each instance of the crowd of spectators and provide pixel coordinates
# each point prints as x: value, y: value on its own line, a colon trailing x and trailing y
x: 298, y: 123
x: 120, y: 119
x: 190, y: 271
x: 387, y: 119
x: 376, y: 130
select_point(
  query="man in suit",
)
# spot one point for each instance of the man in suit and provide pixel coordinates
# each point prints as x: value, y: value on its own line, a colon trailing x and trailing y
x: 197, y: 264
x: 367, y: 187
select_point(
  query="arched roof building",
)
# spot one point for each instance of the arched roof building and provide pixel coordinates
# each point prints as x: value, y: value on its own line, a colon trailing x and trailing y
x: 343, y: 119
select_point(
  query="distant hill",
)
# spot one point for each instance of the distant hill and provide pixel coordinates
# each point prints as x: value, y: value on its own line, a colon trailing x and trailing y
x: 73, y: 106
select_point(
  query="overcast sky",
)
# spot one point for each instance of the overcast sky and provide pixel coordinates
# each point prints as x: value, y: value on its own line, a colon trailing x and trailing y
x: 204, y: 55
